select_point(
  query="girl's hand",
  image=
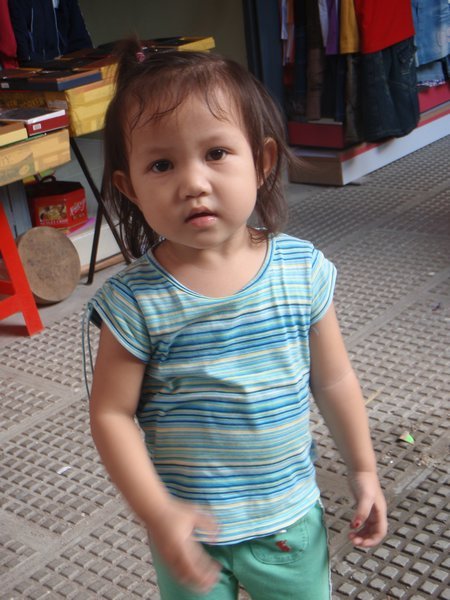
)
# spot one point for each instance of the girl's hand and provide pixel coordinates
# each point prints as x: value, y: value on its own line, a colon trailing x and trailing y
x: 369, y: 523
x: 173, y: 535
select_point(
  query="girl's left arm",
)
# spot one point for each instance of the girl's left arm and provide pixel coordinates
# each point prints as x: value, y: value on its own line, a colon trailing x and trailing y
x: 338, y: 395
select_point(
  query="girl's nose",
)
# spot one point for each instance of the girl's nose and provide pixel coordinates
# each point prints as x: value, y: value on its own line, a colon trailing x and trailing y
x: 194, y: 181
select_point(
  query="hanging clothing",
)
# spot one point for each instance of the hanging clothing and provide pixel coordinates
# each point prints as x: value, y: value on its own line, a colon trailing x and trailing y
x: 353, y: 114
x: 389, y: 100
x: 8, y: 46
x: 433, y: 74
x: 333, y: 94
x: 287, y: 30
x: 323, y: 17
x: 348, y: 33
x: 431, y: 21
x: 383, y: 23
x: 315, y: 61
x: 296, y: 97
x: 332, y: 41
x: 45, y: 29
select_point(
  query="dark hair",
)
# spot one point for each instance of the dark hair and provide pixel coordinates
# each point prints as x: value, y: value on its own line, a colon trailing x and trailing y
x: 162, y: 81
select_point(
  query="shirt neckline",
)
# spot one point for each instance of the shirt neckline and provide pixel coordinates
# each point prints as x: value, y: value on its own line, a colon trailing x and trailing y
x: 172, y: 280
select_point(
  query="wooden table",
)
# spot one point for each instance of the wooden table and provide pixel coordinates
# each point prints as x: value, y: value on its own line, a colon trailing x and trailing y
x: 86, y: 106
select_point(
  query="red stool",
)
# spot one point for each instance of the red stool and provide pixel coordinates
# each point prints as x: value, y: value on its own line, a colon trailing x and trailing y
x: 19, y: 295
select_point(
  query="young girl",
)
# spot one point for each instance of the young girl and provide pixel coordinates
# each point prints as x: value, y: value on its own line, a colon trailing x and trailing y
x: 213, y: 339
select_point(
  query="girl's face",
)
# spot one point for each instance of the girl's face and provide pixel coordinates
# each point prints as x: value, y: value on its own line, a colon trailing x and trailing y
x: 193, y: 177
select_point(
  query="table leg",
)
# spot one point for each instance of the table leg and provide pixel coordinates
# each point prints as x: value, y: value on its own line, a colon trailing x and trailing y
x: 101, y: 212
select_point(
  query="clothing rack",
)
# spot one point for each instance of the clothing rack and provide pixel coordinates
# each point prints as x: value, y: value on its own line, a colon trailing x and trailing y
x: 330, y: 155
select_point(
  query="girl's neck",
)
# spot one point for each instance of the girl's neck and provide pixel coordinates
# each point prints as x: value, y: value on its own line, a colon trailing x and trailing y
x: 213, y: 272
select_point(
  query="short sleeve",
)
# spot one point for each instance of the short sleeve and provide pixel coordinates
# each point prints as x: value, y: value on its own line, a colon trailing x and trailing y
x: 323, y: 280
x: 116, y: 306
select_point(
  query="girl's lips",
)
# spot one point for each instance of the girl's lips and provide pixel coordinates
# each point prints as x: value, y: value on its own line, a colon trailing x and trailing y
x: 201, y: 217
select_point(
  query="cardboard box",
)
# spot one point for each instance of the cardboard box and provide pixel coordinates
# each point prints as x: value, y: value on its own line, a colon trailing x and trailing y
x: 60, y: 204
x: 36, y: 154
x: 182, y: 43
x: 12, y: 132
x: 37, y: 120
x: 86, y: 104
x: 21, y: 99
x: 62, y: 80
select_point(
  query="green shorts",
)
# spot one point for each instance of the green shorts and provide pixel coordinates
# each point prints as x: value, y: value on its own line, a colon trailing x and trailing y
x: 290, y: 565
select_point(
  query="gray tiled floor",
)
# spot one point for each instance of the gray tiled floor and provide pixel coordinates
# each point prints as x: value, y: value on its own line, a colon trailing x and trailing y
x: 65, y: 533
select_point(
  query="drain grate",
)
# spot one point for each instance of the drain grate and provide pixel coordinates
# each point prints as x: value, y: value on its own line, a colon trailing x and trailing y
x: 21, y: 402
x: 112, y: 561
x: 54, y: 355
x: 413, y: 560
x: 371, y: 285
x: 331, y: 215
x: 420, y: 170
x: 51, y: 475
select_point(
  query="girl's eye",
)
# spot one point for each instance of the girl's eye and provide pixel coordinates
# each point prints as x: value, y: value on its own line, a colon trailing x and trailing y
x: 161, y: 166
x: 216, y: 154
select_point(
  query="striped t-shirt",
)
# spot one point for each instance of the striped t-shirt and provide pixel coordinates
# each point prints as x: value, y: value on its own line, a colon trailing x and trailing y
x: 225, y: 399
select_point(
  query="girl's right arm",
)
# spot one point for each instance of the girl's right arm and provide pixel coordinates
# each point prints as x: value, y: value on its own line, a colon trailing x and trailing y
x: 171, y: 523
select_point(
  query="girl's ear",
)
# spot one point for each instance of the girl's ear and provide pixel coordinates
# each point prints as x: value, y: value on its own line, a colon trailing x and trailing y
x: 270, y: 155
x: 123, y: 184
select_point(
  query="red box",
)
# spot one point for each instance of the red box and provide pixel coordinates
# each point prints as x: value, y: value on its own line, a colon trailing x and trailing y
x: 433, y: 96
x: 323, y: 134
x: 60, y: 204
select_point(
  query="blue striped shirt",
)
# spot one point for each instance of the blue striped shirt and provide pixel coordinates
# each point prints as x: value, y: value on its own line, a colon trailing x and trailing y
x: 225, y: 399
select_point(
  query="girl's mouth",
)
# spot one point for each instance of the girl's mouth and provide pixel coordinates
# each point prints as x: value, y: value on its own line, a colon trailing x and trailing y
x: 201, y: 218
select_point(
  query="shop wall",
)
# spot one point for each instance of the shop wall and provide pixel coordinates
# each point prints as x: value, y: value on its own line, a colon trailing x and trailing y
x: 222, y: 19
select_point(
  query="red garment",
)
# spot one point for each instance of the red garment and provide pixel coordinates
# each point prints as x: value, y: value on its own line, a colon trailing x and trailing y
x: 383, y: 23
x: 8, y: 46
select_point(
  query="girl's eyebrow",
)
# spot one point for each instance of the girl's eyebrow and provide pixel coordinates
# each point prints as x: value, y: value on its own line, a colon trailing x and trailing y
x: 155, y: 149
x: 153, y: 146
x: 216, y: 138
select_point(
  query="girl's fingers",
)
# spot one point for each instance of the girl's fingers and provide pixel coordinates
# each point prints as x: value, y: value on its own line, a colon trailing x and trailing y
x: 369, y: 532
x: 197, y: 570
